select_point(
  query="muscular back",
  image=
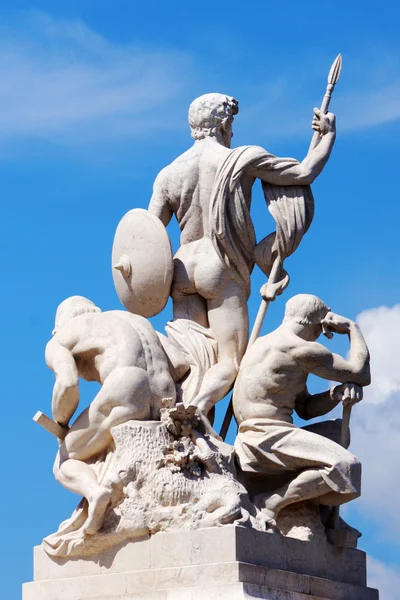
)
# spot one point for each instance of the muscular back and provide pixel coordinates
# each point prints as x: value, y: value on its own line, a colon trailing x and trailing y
x: 269, y: 379
x: 101, y: 342
x: 184, y: 188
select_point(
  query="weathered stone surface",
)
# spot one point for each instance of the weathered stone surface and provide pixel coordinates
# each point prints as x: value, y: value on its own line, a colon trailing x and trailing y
x: 224, y: 581
x: 215, y: 563
x: 212, y: 546
x: 163, y: 476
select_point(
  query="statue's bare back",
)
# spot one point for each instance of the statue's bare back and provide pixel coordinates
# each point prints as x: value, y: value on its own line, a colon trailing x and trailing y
x: 188, y: 183
x: 269, y: 379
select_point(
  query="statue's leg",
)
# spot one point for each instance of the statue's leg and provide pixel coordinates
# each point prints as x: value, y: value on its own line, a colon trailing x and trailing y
x: 228, y: 318
x: 79, y: 477
x: 125, y: 395
x: 323, y: 472
x: 306, y: 485
x: 190, y: 306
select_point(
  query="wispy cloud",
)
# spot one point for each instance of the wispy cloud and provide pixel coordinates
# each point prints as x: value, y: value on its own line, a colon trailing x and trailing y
x: 369, y: 108
x: 61, y: 81
x: 367, y: 95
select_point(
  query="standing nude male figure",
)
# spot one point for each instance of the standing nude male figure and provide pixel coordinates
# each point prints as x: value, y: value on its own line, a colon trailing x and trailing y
x: 272, y: 383
x: 123, y: 353
x: 206, y: 287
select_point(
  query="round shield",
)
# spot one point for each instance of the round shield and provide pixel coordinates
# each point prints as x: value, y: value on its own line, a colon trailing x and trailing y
x: 142, y: 264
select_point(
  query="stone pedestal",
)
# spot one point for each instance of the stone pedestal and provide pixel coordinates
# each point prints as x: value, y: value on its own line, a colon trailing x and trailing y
x: 225, y: 563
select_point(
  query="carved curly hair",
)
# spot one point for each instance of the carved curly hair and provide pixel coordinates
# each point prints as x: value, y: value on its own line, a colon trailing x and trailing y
x: 209, y: 113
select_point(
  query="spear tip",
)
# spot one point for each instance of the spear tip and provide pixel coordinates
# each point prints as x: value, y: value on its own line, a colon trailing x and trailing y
x: 335, y: 70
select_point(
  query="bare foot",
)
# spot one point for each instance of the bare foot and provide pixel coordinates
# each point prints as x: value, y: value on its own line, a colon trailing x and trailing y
x: 269, y: 518
x: 97, y: 508
x: 265, y: 503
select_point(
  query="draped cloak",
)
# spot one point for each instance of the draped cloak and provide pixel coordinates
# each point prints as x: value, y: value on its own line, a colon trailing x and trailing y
x: 232, y: 231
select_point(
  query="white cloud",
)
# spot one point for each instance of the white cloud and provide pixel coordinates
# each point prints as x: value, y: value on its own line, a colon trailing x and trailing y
x: 385, y: 578
x: 60, y: 80
x: 376, y: 422
x: 381, y: 327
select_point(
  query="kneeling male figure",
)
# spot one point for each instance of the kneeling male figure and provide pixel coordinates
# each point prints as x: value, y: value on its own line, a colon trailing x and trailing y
x: 272, y: 383
x: 123, y: 353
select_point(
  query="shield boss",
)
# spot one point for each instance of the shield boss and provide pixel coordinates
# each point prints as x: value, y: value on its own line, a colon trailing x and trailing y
x: 142, y: 264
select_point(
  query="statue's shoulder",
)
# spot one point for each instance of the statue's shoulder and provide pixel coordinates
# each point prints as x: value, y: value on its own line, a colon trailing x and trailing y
x: 308, y: 353
x: 179, y: 167
x: 248, y: 156
x: 251, y: 149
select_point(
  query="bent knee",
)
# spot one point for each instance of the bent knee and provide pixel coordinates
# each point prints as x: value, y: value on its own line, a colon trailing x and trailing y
x: 62, y: 457
x: 231, y: 353
x: 348, y: 465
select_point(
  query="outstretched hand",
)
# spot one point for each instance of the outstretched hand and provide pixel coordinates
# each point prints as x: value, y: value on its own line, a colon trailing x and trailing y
x: 323, y: 123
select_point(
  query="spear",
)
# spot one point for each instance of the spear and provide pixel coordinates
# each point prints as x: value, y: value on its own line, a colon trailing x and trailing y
x: 333, y: 78
x: 342, y: 537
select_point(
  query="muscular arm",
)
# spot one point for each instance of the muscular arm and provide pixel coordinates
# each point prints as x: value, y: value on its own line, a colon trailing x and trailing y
x: 307, y: 171
x: 308, y: 406
x: 159, y: 203
x: 316, y: 359
x: 65, y: 392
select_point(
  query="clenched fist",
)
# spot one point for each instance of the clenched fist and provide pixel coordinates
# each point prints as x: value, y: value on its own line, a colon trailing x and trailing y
x: 323, y: 123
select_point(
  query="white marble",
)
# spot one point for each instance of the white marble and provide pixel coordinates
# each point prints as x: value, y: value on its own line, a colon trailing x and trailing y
x: 176, y: 549
x: 272, y: 385
x: 226, y: 581
x: 123, y: 353
x: 140, y: 462
x: 186, y: 481
x: 142, y: 263
x: 168, y: 509
x: 208, y: 189
x: 189, y: 565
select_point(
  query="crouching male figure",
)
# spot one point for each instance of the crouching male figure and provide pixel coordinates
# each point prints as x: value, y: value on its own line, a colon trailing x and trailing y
x: 123, y: 353
x: 272, y: 383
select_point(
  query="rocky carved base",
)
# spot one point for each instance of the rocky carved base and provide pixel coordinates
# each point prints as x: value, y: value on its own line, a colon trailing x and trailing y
x: 162, y: 476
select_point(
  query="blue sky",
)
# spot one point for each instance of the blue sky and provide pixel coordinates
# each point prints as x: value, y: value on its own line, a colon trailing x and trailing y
x: 93, y: 103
